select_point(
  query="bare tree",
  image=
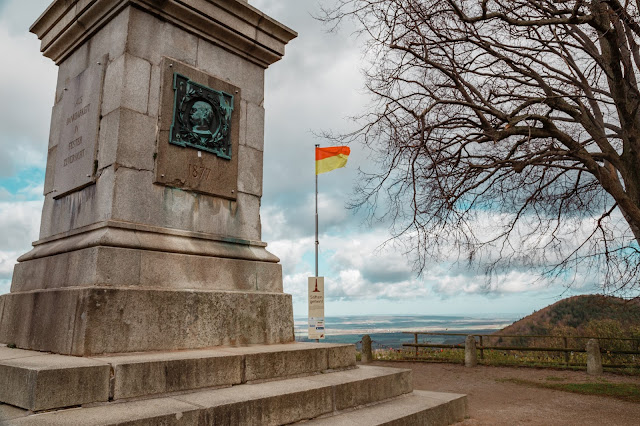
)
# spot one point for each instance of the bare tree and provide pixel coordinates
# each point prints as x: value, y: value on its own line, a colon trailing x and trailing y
x: 509, y: 128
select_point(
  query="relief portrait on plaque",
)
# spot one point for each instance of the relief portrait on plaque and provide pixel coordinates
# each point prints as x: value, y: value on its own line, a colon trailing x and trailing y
x: 202, y: 117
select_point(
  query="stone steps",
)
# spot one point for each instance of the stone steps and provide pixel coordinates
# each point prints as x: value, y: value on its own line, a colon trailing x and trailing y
x: 267, y: 403
x: 252, y: 385
x: 416, y: 408
x: 39, y: 381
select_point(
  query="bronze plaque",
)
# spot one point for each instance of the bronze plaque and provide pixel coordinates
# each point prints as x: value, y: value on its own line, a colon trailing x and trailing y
x: 199, y: 131
x: 77, y: 141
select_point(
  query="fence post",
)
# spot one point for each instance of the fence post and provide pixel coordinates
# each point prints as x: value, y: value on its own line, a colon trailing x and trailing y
x: 594, y: 358
x: 470, y: 354
x: 566, y: 354
x: 481, y: 348
x: 367, y: 354
x: 415, y: 340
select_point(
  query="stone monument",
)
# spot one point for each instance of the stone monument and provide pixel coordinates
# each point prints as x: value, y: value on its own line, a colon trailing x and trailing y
x: 150, y: 278
x: 153, y: 183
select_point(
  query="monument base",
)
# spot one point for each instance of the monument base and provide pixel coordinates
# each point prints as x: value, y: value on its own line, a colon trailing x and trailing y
x: 100, y: 320
x: 265, y: 385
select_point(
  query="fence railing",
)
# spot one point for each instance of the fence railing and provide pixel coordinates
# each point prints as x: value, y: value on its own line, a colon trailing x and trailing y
x: 610, y: 346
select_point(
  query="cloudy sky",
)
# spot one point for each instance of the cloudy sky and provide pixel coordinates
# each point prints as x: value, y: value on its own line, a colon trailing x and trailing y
x: 315, y: 88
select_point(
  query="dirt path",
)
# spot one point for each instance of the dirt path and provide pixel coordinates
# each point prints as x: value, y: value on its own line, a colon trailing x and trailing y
x: 492, y: 402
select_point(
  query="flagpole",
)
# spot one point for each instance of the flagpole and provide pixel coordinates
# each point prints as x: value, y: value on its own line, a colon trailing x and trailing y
x: 317, y: 242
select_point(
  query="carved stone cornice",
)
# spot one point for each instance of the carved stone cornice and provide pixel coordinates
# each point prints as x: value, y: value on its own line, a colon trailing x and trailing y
x: 232, y: 24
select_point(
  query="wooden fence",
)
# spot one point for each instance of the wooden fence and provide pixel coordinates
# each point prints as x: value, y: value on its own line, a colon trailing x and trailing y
x: 609, y: 346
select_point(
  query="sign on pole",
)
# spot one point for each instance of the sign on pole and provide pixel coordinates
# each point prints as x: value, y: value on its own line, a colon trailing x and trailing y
x: 316, y: 308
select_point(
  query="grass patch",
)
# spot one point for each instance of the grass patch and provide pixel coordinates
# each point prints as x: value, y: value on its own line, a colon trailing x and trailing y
x: 624, y: 391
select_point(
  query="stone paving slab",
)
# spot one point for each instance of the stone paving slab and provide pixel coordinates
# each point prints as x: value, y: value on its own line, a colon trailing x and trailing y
x: 366, y: 384
x: 13, y: 353
x: 157, y: 373
x: 417, y: 408
x: 52, y: 381
x: 161, y: 411
x: 292, y: 400
x: 9, y: 412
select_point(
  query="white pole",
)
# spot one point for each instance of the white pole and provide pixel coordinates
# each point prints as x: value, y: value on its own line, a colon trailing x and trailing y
x: 317, y: 242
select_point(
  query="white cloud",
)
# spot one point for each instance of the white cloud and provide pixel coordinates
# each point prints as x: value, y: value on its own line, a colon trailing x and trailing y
x: 19, y: 226
x: 27, y: 85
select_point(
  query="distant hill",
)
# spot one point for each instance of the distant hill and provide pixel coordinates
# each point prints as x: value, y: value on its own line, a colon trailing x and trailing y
x: 588, y: 315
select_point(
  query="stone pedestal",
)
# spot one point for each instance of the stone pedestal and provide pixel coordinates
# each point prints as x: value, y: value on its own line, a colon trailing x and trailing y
x: 594, y: 358
x: 149, y: 241
x: 470, y: 352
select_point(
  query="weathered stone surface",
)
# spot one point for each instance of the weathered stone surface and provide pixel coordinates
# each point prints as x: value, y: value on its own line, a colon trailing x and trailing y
x: 341, y: 356
x: 233, y: 25
x: 126, y: 84
x: 419, y: 408
x: 151, y: 39
x: 288, y: 401
x: 594, y: 358
x: 138, y: 236
x: 127, y: 138
x: 148, y: 374
x: 78, y: 138
x: 9, y: 412
x: 199, y: 272
x: 470, y: 353
x: 52, y: 381
x: 50, y: 170
x: 40, y: 320
x: 7, y: 353
x: 367, y: 355
x: 255, y: 126
x: 111, y: 40
x: 153, y: 109
x: 366, y: 384
x: 232, y: 68
x: 174, y: 208
x: 77, y: 62
x: 273, y: 403
x: 56, y: 123
x: 266, y: 363
x: 2, y: 298
x: 85, y: 321
x: 157, y: 373
x: 250, y: 170
x: 87, y: 206
x: 161, y: 411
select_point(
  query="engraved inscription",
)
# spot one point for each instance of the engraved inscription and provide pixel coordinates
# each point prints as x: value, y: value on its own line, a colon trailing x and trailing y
x: 74, y: 157
x: 199, y: 172
x: 75, y: 143
x: 76, y: 115
x: 78, y: 136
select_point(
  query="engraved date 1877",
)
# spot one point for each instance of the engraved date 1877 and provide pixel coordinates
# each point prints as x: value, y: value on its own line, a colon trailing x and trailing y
x: 199, y: 172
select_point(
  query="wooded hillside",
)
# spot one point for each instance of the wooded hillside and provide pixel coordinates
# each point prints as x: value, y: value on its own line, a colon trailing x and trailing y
x: 588, y: 315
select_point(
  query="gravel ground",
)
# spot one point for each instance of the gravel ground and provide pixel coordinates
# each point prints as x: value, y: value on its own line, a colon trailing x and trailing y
x: 492, y: 402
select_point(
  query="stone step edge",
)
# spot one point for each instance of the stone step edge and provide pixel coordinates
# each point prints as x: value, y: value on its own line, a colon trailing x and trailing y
x: 150, y: 374
x: 417, y: 407
x: 322, y: 394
